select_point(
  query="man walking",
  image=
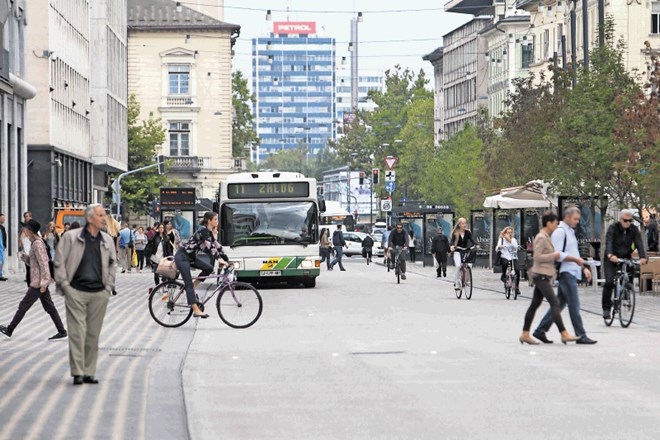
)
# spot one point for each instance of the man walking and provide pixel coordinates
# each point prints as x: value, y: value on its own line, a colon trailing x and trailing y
x: 3, y: 246
x: 570, y: 272
x: 125, y: 248
x: 339, y: 244
x: 652, y: 239
x: 39, y: 282
x: 440, y: 250
x: 619, y: 242
x: 398, y: 243
x: 85, y: 269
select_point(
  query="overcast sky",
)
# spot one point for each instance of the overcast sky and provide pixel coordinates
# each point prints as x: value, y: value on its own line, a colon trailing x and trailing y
x: 426, y: 27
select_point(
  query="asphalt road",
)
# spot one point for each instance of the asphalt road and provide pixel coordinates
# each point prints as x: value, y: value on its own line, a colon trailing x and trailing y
x: 358, y: 357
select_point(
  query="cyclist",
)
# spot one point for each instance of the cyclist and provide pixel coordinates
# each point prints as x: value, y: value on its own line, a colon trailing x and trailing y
x: 398, y: 243
x: 200, y: 251
x: 507, y: 245
x: 460, y: 237
x: 367, y: 247
x: 619, y: 244
x: 385, y: 243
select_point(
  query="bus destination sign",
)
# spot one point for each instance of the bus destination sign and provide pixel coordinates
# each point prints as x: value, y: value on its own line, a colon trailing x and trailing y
x: 267, y: 190
x: 177, y: 197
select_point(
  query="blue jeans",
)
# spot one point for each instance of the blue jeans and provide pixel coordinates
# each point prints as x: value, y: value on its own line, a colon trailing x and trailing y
x: 340, y: 254
x: 567, y: 294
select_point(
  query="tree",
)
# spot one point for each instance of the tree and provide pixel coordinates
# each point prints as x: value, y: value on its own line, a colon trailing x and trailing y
x: 143, y: 137
x: 243, y: 133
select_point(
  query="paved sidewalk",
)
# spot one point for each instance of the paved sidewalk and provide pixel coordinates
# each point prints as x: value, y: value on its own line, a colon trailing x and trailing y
x: 647, y: 308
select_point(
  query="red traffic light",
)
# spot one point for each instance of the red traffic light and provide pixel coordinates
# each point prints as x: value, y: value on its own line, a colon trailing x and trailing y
x: 375, y: 176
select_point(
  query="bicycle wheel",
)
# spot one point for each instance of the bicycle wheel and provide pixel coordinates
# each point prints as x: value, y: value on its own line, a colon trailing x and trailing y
x: 240, y: 305
x: 467, y: 285
x: 173, y: 311
x: 397, y: 270
x: 459, y: 289
x: 627, y: 306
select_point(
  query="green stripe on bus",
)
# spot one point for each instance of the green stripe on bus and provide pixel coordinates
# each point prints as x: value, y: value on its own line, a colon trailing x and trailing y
x: 284, y: 263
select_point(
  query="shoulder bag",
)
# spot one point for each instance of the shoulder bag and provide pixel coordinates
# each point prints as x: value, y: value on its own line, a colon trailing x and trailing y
x: 167, y: 268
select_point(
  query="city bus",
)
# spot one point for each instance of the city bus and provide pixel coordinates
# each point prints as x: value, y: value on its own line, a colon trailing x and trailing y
x: 269, y: 226
x: 335, y: 215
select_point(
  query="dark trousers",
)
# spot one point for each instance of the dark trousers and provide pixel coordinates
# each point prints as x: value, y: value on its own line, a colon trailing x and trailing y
x: 543, y: 288
x: 340, y: 253
x: 325, y: 256
x: 441, y: 258
x: 27, y: 275
x: 505, y: 264
x: 610, y: 270
x: 31, y: 296
x: 412, y: 254
x: 183, y: 264
x: 140, y: 255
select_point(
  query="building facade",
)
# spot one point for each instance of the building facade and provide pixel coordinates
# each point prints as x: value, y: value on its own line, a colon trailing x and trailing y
x: 15, y: 95
x: 435, y: 58
x: 293, y: 80
x: 368, y: 80
x: 179, y: 70
x: 76, y: 59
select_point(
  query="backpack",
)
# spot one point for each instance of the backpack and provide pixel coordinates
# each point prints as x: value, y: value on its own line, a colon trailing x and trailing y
x: 51, y: 265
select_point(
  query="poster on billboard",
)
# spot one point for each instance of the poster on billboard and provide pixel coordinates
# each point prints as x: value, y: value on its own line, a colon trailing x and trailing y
x: 480, y: 226
x: 182, y: 221
x: 588, y: 230
x: 445, y: 220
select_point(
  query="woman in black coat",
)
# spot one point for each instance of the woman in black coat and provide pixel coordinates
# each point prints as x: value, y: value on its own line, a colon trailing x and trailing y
x: 158, y: 248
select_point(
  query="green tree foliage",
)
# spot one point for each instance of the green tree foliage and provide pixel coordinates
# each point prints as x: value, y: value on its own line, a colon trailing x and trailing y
x: 298, y: 160
x: 143, y: 138
x: 243, y: 132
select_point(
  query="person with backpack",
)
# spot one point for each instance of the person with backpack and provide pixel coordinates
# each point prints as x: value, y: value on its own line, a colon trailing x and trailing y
x: 40, y: 279
x: 367, y: 248
x: 339, y: 244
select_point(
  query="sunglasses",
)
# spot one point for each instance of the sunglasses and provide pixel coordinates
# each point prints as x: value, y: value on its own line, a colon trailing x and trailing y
x: 627, y: 220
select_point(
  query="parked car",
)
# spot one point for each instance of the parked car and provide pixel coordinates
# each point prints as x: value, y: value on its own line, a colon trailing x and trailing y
x: 354, y: 243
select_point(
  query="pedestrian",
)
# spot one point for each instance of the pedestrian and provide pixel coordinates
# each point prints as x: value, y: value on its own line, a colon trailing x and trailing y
x: 384, y: 243
x: 201, y: 252
x: 51, y: 237
x: 412, y: 241
x: 140, y: 244
x: 24, y: 245
x: 38, y: 287
x: 652, y: 239
x: 66, y: 226
x: 3, y: 246
x: 74, y: 225
x: 150, y: 232
x: 507, y: 246
x: 619, y: 241
x: 397, y: 244
x: 85, y: 270
x: 543, y: 274
x: 324, y: 247
x: 440, y: 250
x: 571, y: 271
x: 157, y: 248
x: 125, y: 247
x: 113, y: 229
x: 339, y: 244
x: 461, y: 237
x: 367, y: 248
x: 175, y: 238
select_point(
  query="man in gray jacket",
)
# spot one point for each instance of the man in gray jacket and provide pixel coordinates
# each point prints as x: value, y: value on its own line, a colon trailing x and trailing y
x: 85, y: 268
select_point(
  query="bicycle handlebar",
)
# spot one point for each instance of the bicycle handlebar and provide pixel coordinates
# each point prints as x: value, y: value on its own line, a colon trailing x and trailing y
x: 627, y: 262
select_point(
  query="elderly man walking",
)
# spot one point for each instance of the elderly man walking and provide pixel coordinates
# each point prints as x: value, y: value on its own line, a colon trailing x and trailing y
x: 85, y: 269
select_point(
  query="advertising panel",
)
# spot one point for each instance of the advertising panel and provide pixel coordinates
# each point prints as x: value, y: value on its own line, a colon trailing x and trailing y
x: 294, y: 27
x: 182, y: 221
x: 480, y: 227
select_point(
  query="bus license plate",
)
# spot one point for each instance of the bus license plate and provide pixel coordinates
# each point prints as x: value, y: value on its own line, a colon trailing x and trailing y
x: 270, y: 273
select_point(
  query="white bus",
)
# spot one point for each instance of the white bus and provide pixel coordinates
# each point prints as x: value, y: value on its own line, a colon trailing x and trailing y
x: 269, y: 226
x: 335, y: 215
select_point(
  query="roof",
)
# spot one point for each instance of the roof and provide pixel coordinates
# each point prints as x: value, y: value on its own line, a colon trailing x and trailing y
x: 504, y: 21
x: 433, y: 56
x: 470, y: 7
x: 156, y: 15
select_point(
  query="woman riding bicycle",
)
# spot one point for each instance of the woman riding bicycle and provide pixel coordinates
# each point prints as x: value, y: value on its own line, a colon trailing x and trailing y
x: 200, y: 251
x: 461, y: 237
x: 507, y: 245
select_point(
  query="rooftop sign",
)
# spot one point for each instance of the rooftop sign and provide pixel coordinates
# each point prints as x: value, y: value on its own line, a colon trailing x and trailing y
x: 294, y: 27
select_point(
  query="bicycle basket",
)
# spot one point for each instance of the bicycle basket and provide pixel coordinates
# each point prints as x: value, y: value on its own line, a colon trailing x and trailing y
x: 469, y: 256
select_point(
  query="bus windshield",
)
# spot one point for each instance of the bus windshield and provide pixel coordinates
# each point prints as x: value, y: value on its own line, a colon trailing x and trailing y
x: 245, y: 224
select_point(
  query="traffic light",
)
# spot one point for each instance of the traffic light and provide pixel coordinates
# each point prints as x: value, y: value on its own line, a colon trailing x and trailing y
x: 361, y: 178
x: 154, y: 208
x: 161, y: 163
x: 375, y: 176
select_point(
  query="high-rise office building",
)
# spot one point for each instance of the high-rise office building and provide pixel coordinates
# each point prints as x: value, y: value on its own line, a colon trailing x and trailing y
x: 368, y: 80
x: 293, y: 80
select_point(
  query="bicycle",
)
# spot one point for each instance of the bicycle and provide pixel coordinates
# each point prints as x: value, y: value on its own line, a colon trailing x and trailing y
x: 623, y: 295
x: 465, y: 277
x: 238, y: 304
x: 398, y: 251
x: 366, y: 254
x: 510, y: 276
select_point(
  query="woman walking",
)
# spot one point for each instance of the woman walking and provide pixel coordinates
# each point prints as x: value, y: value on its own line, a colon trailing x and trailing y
x: 140, y: 243
x: 412, y: 241
x: 324, y: 247
x: 461, y: 237
x: 543, y: 272
x: 158, y: 248
x: 507, y: 245
x: 51, y: 237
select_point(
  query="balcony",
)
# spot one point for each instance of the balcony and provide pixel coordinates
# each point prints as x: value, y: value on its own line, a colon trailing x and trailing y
x: 178, y: 102
x: 190, y: 164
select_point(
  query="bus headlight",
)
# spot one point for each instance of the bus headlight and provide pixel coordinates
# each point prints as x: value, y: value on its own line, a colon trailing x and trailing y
x: 307, y: 264
x: 236, y: 265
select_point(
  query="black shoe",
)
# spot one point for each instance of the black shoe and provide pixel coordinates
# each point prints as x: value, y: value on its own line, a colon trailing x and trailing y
x: 438, y: 276
x: 542, y: 337
x: 5, y: 331
x: 90, y: 379
x: 403, y: 276
x: 77, y: 380
x: 585, y: 340
x: 606, y: 314
x: 343, y: 270
x: 444, y: 274
x: 4, y: 279
x: 58, y: 336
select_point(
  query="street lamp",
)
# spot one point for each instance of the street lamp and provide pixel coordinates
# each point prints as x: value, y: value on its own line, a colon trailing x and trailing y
x: 353, y: 45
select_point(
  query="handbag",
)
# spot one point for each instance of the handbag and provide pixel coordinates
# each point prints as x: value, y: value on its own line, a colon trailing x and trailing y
x: 203, y: 261
x: 167, y: 268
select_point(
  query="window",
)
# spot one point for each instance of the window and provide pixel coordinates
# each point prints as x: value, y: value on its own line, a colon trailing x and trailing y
x: 527, y: 55
x: 179, y: 138
x: 179, y: 78
x: 655, y: 17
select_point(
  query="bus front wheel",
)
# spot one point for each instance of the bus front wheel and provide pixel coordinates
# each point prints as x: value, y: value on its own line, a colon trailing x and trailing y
x: 309, y: 282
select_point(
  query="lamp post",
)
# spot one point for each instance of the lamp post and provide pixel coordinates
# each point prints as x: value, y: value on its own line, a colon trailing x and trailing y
x: 353, y: 47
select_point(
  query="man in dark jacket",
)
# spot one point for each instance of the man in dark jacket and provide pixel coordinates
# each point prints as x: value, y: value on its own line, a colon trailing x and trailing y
x: 367, y: 248
x: 339, y: 244
x: 398, y: 243
x: 440, y: 250
x: 651, y: 233
x: 619, y: 242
